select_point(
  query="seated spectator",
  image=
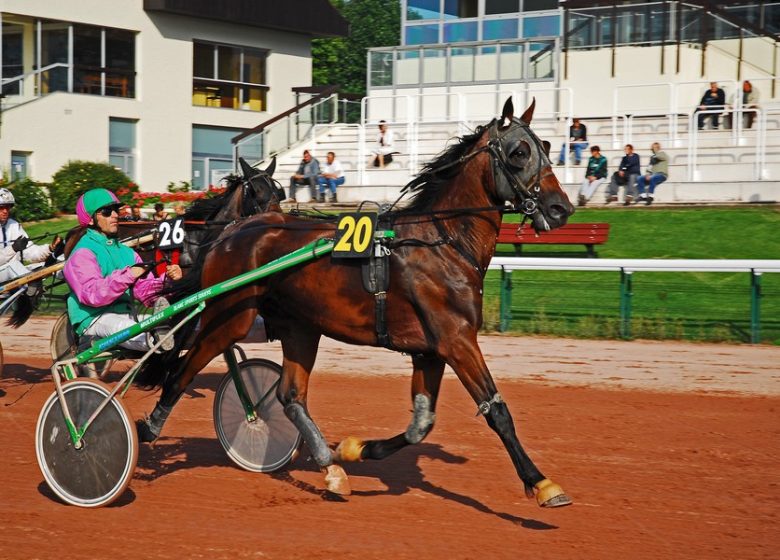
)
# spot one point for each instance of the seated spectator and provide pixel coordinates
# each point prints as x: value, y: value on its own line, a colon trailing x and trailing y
x: 331, y: 177
x: 307, y: 173
x: 124, y: 214
x: 383, y: 149
x: 656, y: 173
x: 159, y: 212
x: 180, y: 209
x: 578, y: 141
x: 594, y: 175
x: 749, y: 101
x: 135, y: 214
x: 626, y: 175
x: 713, y: 98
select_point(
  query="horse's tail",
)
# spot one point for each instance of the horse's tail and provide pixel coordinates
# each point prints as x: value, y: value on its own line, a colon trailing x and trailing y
x: 24, y: 307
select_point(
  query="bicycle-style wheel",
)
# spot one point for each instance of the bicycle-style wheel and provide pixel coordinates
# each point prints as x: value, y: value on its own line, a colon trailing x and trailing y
x: 271, y: 441
x: 99, y: 472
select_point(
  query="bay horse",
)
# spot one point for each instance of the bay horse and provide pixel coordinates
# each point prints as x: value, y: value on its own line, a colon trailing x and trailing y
x: 445, y: 239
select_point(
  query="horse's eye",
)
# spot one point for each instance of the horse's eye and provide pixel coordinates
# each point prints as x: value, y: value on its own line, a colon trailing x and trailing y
x: 518, y: 153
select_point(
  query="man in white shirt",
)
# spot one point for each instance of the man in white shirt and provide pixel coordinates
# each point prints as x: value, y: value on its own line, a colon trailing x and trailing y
x: 15, y: 246
x: 331, y: 177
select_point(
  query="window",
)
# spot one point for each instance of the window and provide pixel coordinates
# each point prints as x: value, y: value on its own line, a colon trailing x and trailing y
x: 12, y: 58
x: 422, y: 34
x: 504, y: 28
x: 20, y: 165
x: 501, y: 6
x: 460, y: 32
x: 212, y: 154
x: 536, y: 5
x: 422, y: 9
x: 229, y: 76
x: 460, y: 9
x: 121, y: 145
x: 541, y: 26
x: 103, y: 61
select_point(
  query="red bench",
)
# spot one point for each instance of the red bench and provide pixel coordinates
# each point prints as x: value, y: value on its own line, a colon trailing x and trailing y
x: 570, y: 234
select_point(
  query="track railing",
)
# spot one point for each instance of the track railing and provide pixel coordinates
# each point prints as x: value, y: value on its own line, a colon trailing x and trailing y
x: 626, y: 268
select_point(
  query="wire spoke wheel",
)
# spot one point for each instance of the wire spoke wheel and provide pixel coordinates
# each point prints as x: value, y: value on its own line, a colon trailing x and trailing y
x: 271, y: 441
x: 99, y: 472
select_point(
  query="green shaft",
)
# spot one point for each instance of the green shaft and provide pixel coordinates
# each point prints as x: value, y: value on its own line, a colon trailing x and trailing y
x: 309, y: 252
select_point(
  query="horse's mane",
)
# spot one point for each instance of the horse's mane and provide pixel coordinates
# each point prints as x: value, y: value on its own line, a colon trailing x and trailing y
x: 205, y: 208
x: 427, y: 187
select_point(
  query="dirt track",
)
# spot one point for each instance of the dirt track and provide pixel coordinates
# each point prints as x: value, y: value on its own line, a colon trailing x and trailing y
x: 669, y: 451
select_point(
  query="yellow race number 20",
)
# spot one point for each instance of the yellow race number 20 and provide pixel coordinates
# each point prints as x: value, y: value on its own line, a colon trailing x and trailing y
x: 355, y: 235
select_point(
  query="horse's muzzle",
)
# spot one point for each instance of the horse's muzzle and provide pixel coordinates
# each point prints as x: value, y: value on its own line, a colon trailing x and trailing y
x: 557, y: 209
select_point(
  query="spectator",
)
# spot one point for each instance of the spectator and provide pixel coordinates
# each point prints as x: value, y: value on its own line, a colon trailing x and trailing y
x: 180, y: 209
x: 625, y: 176
x: 713, y: 98
x: 331, y: 177
x: 749, y: 101
x: 159, y: 212
x: 578, y: 141
x: 656, y: 173
x: 124, y: 214
x: 383, y: 150
x: 15, y: 245
x: 136, y: 215
x: 307, y: 173
x: 594, y: 175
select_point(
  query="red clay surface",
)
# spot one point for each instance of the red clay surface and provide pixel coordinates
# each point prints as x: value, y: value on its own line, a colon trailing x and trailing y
x: 686, y: 467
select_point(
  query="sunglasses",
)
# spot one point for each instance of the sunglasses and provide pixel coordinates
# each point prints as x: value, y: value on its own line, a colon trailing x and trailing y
x: 106, y: 211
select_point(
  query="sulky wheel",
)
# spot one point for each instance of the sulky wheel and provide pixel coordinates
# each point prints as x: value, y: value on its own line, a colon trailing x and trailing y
x: 63, y: 345
x: 100, y: 471
x: 271, y: 441
x: 1, y: 359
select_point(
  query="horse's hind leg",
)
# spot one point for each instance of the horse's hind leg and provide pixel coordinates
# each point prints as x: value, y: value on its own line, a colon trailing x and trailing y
x: 209, y: 343
x: 300, y: 351
x: 466, y: 359
x: 426, y: 381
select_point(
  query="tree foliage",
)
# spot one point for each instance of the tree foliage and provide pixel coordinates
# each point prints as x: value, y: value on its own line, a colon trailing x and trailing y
x: 342, y: 60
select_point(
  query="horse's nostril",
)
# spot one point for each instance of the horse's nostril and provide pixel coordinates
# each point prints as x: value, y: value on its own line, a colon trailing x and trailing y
x: 556, y: 211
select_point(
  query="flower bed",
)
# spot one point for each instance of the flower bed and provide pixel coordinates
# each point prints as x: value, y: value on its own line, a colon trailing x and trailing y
x: 141, y: 199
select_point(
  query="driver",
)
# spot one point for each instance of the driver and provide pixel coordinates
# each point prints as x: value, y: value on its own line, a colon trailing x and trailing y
x: 15, y: 244
x: 104, y: 276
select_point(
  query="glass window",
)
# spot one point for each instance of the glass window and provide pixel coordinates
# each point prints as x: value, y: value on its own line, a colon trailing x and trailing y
x: 230, y: 77
x: 501, y: 6
x: 422, y: 34
x: 543, y: 26
x: 212, y: 154
x: 505, y: 28
x: 381, y: 68
x: 459, y: 32
x: 121, y: 145
x: 536, y: 5
x: 460, y: 9
x: 13, y: 49
x: 19, y: 165
x: 120, y: 63
x: 422, y: 9
x: 540, y: 60
x: 54, y: 49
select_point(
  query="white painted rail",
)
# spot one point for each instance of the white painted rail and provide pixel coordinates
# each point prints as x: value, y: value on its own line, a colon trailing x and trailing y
x: 757, y: 266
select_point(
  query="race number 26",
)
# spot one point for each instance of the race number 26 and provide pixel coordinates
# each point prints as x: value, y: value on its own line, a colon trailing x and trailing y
x: 171, y: 234
x: 355, y: 235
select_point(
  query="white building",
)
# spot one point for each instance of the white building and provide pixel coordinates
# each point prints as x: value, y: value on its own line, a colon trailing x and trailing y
x: 156, y: 87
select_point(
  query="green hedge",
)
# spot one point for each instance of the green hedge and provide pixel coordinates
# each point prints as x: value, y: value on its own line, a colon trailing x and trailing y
x: 76, y: 177
x: 32, y: 202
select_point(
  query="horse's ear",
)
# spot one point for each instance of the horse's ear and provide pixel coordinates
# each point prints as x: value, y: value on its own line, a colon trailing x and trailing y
x: 529, y: 113
x: 246, y: 170
x: 546, y: 146
x: 507, y: 113
x: 271, y: 167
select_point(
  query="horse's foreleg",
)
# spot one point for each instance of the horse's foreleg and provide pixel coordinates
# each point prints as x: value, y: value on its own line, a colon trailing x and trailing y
x: 426, y: 381
x: 469, y: 365
x: 209, y: 343
x: 300, y: 351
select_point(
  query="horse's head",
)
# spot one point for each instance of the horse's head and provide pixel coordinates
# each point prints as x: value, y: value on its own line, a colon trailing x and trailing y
x: 260, y: 192
x: 523, y: 172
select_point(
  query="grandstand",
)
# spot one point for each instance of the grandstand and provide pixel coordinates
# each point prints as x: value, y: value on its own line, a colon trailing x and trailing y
x: 632, y: 71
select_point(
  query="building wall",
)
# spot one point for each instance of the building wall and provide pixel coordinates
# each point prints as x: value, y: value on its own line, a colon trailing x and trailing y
x: 64, y: 126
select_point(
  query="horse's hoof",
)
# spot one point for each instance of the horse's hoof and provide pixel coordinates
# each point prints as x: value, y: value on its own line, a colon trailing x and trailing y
x: 145, y: 433
x: 550, y: 495
x: 337, y: 481
x: 349, y: 450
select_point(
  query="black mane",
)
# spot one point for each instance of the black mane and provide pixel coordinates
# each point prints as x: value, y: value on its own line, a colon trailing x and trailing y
x: 205, y: 208
x: 427, y: 186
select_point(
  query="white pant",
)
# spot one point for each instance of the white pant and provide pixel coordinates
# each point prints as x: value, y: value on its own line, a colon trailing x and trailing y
x: 12, y: 270
x: 587, y: 188
x: 111, y: 323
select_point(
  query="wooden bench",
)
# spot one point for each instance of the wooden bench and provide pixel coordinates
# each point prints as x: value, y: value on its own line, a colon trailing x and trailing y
x: 570, y: 234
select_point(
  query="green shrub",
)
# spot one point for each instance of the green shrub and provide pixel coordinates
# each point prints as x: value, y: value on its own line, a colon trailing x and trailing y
x: 181, y: 186
x: 76, y: 177
x: 32, y: 202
